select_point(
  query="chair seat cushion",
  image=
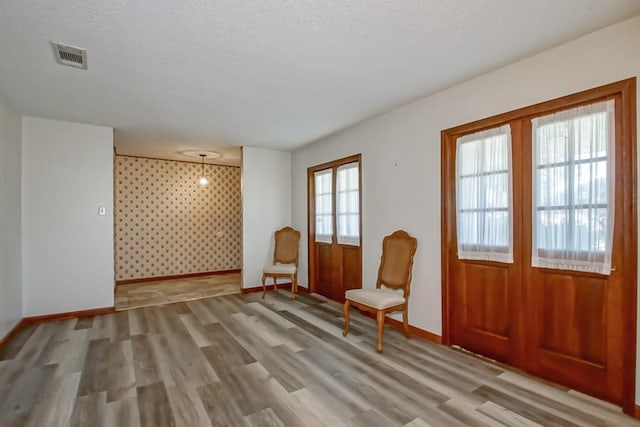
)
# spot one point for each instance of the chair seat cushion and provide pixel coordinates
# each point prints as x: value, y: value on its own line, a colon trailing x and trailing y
x: 376, y: 298
x: 280, y: 269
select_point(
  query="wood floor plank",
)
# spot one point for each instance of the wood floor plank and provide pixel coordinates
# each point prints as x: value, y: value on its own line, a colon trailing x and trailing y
x: 222, y: 409
x: 154, y: 407
x: 96, y: 365
x: 56, y: 407
x: 121, y: 377
x: 289, y: 409
x: 521, y: 407
x: 85, y: 323
x: 265, y: 418
x: 25, y: 390
x: 17, y: 343
x: 322, y: 411
x: 89, y: 410
x: 467, y: 414
x: 146, y: 367
x: 195, y: 329
x: 227, y: 353
x: 187, y: 407
x: 122, y: 413
x: 418, y: 422
x: 505, y: 416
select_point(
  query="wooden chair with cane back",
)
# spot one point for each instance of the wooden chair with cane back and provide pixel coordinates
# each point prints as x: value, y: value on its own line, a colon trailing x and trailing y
x: 285, y: 260
x: 396, y: 264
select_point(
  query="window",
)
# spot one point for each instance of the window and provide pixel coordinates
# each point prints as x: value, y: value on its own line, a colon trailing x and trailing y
x: 323, y: 205
x: 348, y: 204
x: 483, y: 192
x: 573, y: 193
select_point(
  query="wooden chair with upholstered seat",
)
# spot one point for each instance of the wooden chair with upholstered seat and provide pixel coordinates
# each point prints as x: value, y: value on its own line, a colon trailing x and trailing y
x: 395, y: 269
x: 285, y: 260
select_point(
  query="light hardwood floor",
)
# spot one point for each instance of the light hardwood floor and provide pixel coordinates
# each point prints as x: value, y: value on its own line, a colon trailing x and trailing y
x: 159, y: 292
x: 239, y: 360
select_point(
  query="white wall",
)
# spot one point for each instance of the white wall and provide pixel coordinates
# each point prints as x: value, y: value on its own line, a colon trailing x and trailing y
x: 401, y: 150
x: 10, y: 207
x: 266, y: 207
x: 67, y: 172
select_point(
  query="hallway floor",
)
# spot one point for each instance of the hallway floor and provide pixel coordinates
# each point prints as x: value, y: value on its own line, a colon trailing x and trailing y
x: 148, y: 294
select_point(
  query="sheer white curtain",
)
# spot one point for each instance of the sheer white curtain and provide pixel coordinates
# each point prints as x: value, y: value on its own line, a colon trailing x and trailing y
x: 324, y: 200
x: 484, y: 195
x: 573, y: 188
x: 348, y: 204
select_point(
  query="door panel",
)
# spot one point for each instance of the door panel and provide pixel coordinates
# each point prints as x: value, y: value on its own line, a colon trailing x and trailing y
x: 351, y: 269
x: 323, y: 270
x: 487, y: 294
x: 572, y: 316
x: 578, y: 338
x: 482, y: 309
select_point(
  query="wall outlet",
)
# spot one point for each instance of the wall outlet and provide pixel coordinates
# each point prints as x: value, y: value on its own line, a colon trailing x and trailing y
x: 102, y: 210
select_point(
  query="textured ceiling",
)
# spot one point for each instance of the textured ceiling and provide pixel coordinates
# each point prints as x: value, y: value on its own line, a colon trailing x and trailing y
x: 270, y: 73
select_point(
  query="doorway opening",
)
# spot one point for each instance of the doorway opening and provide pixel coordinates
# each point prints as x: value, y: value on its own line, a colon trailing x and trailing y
x: 175, y: 240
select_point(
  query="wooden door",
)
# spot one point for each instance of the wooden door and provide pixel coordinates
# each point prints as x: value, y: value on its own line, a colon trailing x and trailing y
x: 574, y: 328
x: 334, y: 265
x: 486, y: 316
x: 574, y: 322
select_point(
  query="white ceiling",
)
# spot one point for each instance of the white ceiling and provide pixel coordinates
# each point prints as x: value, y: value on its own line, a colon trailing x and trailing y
x: 267, y: 73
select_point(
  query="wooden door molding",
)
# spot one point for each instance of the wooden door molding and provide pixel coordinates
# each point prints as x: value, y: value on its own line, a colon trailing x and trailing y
x: 624, y: 92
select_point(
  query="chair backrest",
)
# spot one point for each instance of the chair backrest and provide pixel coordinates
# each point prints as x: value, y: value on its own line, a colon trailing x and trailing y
x: 396, y: 262
x: 286, y: 248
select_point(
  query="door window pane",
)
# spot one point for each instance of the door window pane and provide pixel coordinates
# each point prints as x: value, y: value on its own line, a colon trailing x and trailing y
x: 483, y: 195
x: 348, y: 204
x: 573, y: 188
x: 324, y: 206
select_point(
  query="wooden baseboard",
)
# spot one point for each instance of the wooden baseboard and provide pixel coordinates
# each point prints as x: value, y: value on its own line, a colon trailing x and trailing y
x: 270, y: 288
x: 429, y: 336
x: 12, y: 333
x: 397, y: 324
x: 27, y: 321
x: 178, y: 276
x: 636, y: 413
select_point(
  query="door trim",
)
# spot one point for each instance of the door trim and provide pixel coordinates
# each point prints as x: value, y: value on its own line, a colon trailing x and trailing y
x: 626, y: 90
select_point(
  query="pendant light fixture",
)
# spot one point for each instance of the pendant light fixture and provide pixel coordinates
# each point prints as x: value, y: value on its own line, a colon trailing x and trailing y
x: 203, y: 181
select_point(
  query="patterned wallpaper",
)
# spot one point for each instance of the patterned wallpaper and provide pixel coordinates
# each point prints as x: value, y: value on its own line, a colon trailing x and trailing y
x: 166, y: 225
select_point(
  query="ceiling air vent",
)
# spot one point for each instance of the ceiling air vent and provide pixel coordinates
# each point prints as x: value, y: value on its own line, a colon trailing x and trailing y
x: 69, y: 55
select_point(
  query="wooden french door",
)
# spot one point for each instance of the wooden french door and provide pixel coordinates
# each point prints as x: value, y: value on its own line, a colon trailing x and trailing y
x: 335, y: 253
x: 574, y: 328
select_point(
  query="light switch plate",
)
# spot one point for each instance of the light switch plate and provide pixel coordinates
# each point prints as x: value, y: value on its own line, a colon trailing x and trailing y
x: 102, y: 210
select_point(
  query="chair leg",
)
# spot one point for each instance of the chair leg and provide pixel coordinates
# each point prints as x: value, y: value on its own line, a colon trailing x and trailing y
x: 347, y: 305
x: 275, y: 283
x: 264, y: 285
x: 405, y: 321
x: 380, y: 318
x: 294, y: 287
